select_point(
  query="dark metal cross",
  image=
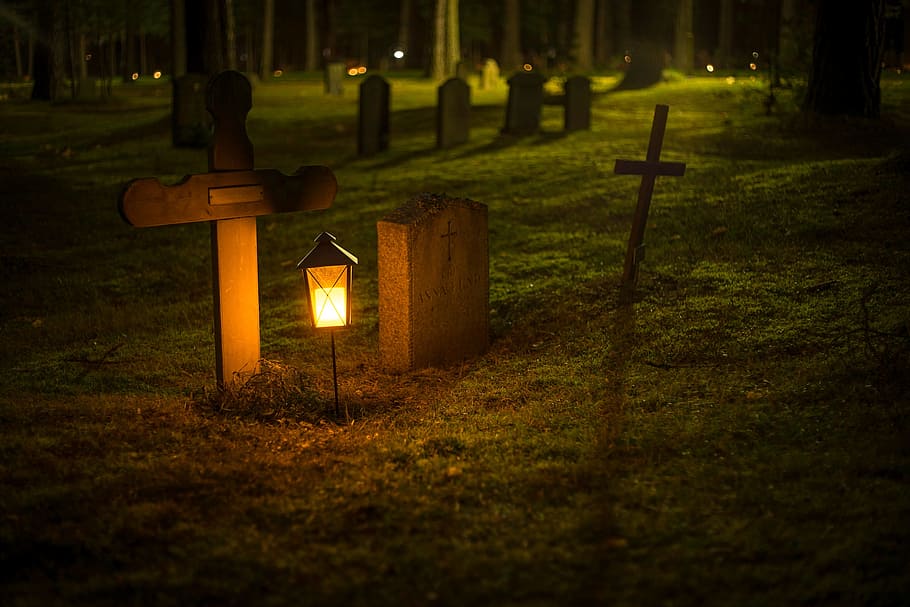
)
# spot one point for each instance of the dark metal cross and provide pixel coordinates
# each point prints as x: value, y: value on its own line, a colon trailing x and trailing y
x: 649, y: 170
x: 448, y: 235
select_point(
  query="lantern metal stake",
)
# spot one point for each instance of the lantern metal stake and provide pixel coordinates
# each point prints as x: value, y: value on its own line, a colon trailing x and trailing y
x: 335, y: 379
x: 327, y: 273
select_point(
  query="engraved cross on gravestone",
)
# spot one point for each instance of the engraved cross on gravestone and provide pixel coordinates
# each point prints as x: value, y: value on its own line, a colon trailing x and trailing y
x: 230, y: 197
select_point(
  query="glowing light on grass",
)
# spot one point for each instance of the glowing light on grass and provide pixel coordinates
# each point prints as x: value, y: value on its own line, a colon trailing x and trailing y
x: 361, y: 70
x: 352, y: 71
x: 398, y: 54
x: 156, y: 75
x: 88, y: 57
x: 527, y: 67
x: 627, y: 58
x: 278, y: 73
x: 709, y: 68
x: 753, y: 66
x: 134, y: 76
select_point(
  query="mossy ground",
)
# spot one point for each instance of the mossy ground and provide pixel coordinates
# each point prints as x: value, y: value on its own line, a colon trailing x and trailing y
x: 737, y: 436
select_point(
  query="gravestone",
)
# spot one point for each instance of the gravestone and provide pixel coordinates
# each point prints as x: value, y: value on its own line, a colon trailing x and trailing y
x: 433, y: 283
x: 453, y: 113
x: 525, y: 102
x: 334, y: 78
x: 489, y: 75
x: 578, y: 104
x: 229, y: 197
x: 373, y: 126
x: 649, y: 169
x: 191, y: 123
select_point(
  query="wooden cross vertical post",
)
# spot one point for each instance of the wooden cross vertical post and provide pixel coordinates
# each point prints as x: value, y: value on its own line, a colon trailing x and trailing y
x: 649, y: 169
x: 235, y: 264
x: 230, y: 196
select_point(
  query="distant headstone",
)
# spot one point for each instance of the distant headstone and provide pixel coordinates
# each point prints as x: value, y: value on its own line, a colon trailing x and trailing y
x: 489, y: 75
x: 334, y: 78
x: 525, y: 101
x: 453, y: 113
x: 578, y: 104
x: 433, y: 283
x: 192, y: 125
x: 373, y: 128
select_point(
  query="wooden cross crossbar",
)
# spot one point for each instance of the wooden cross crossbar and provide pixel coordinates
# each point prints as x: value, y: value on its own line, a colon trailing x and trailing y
x: 230, y: 197
x: 649, y: 169
x: 226, y: 195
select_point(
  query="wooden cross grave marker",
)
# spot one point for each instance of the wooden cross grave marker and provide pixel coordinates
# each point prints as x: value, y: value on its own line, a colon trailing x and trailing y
x: 649, y: 169
x: 230, y: 196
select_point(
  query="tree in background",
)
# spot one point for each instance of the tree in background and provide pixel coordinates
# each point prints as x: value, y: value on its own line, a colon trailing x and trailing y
x: 446, y: 42
x: 684, y: 38
x: 48, y: 54
x: 311, y: 61
x: 268, y: 42
x: 510, y: 56
x: 603, y: 33
x: 847, y: 59
x: 584, y: 35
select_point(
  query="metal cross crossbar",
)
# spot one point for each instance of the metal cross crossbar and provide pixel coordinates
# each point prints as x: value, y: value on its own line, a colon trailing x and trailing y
x: 649, y: 169
x: 230, y: 196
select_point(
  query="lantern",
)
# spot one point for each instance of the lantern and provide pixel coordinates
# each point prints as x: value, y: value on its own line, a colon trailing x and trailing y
x: 327, y: 272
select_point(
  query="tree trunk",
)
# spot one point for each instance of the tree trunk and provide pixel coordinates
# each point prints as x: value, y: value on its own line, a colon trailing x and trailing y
x: 846, y: 59
x: 17, y: 41
x: 215, y: 38
x: 787, y: 46
x: 623, y: 16
x: 83, y: 64
x: 112, y: 64
x: 311, y: 61
x: 268, y: 45
x: 725, y: 34
x: 31, y: 54
x: 128, y: 51
x: 438, y: 70
x: 48, y: 72
x: 230, y: 30
x: 143, y: 52
x: 603, y: 33
x: 178, y: 39
x: 70, y: 49
x: 250, y: 60
x: 684, y: 54
x: 404, y: 30
x: 453, y: 38
x: 584, y: 35
x: 511, y: 36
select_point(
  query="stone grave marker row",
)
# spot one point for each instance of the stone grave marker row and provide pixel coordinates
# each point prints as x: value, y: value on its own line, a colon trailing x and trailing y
x: 523, y: 110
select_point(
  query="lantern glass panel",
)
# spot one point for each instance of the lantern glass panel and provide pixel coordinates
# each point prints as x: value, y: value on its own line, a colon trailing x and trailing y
x: 328, y: 295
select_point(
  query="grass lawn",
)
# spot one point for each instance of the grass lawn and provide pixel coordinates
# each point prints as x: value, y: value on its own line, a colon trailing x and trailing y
x: 737, y: 436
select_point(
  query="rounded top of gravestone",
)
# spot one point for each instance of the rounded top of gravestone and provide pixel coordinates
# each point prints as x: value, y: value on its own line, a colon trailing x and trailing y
x: 229, y: 93
x: 426, y: 205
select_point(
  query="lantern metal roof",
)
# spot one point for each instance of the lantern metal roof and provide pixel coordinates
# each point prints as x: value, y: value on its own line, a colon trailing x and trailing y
x: 326, y: 253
